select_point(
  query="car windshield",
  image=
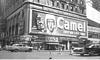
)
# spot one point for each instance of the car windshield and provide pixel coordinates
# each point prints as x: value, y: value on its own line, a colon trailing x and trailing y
x: 94, y: 46
x: 77, y: 45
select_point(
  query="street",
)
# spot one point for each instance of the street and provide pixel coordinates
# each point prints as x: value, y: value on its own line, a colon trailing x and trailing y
x: 42, y: 55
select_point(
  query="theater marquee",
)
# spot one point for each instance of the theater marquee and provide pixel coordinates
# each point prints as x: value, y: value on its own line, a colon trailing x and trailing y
x: 44, y: 23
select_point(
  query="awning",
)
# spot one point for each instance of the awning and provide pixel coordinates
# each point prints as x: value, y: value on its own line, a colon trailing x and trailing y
x: 73, y: 39
x: 36, y: 42
x: 52, y: 43
x: 55, y: 44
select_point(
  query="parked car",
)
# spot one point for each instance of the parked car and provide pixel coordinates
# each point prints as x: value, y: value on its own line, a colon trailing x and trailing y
x: 92, y: 49
x: 18, y: 47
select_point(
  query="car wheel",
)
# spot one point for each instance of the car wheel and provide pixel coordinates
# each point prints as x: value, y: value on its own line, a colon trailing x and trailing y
x: 91, y: 53
x: 30, y: 50
x: 12, y: 50
x: 16, y: 50
x: 99, y: 54
x: 82, y: 54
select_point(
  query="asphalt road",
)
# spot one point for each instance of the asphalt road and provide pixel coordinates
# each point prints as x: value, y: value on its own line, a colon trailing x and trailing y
x: 42, y: 55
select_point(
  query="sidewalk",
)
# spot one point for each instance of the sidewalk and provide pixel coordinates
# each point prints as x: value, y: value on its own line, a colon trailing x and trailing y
x: 54, y: 52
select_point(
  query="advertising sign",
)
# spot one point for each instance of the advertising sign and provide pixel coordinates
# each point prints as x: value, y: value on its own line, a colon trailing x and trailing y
x: 56, y: 25
x: 51, y: 39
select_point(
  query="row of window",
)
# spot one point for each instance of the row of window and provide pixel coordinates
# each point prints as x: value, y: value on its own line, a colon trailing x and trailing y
x: 71, y: 5
x: 16, y: 24
x: 65, y: 1
x: 94, y: 35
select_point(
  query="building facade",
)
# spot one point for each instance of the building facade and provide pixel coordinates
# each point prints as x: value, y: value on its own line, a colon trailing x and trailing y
x: 94, y: 34
x: 48, y: 24
x: 2, y: 22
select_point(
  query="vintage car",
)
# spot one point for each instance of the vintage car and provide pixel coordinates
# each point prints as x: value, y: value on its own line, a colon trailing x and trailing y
x: 92, y: 49
x: 18, y: 47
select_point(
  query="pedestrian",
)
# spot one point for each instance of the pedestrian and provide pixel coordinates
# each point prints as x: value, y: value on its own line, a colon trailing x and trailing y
x: 71, y: 49
x: 60, y: 49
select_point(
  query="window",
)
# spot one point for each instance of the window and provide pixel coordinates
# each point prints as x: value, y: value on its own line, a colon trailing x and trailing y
x: 13, y: 32
x: 82, y: 2
x: 9, y: 31
x: 53, y: 2
x: 82, y: 11
x: 58, y: 4
x: 62, y: 5
x: 93, y: 35
x: 90, y: 35
x: 67, y: 7
x: 22, y: 13
x: 72, y: 8
x: 76, y: 10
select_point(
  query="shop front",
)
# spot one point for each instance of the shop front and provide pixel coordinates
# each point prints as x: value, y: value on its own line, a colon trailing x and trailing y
x: 58, y: 31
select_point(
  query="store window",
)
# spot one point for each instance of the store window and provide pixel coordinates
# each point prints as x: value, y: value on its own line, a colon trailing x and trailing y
x: 90, y: 34
x: 93, y: 35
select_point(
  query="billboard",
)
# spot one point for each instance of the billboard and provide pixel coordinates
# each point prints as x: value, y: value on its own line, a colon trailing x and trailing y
x: 46, y: 23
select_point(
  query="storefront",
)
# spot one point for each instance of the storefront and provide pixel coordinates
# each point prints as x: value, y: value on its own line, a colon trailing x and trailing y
x: 94, y: 34
x: 49, y: 28
x: 58, y: 31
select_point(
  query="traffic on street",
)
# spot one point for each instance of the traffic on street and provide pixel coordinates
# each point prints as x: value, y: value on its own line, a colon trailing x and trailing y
x: 43, y: 55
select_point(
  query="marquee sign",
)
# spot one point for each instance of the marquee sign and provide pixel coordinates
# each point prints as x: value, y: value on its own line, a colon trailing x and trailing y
x: 58, y: 25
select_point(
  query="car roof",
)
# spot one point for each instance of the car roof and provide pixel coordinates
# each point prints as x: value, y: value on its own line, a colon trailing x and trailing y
x: 18, y: 44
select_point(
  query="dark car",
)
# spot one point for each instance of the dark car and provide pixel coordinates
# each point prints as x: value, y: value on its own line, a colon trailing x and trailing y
x: 93, y: 49
x: 90, y: 49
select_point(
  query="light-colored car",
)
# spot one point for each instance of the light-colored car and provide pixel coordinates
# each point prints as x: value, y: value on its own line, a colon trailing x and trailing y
x: 19, y: 47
